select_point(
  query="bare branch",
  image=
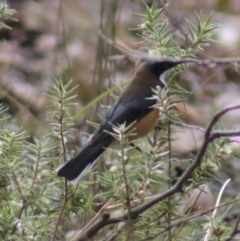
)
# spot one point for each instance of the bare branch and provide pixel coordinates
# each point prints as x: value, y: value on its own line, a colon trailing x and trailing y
x: 96, y: 227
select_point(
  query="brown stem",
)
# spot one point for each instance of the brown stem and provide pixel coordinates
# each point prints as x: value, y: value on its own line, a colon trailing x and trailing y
x: 65, y: 160
x: 96, y: 227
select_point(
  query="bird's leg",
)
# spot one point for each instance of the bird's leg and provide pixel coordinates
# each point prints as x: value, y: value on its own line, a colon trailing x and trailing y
x: 155, y: 135
x: 136, y: 147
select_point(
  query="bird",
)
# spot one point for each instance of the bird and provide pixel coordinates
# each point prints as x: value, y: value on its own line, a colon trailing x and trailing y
x: 133, y: 107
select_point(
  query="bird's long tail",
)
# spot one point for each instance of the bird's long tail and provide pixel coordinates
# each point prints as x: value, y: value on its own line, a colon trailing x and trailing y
x: 80, y: 164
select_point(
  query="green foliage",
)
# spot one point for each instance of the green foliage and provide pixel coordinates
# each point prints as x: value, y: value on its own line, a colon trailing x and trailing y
x: 6, y: 13
x: 37, y: 205
x: 164, y: 41
x: 31, y: 194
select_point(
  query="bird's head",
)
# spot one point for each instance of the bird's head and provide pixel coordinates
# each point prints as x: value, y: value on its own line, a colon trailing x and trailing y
x: 158, y: 67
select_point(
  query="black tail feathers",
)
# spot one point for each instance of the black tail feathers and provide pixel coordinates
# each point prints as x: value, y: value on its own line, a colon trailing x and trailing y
x: 80, y: 164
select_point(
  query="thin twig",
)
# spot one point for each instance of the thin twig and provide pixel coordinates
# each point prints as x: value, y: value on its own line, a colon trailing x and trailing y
x: 176, y: 24
x: 177, y: 187
x: 93, y: 220
x: 125, y: 175
x: 235, y: 231
x: 189, y: 211
x: 137, y: 201
x: 189, y: 219
x: 19, y: 216
x: 62, y: 210
x: 143, y: 56
x: 18, y: 187
x: 65, y: 160
x: 211, y: 226
x: 170, y: 178
x: 178, y: 123
x: 153, y: 144
x: 36, y: 169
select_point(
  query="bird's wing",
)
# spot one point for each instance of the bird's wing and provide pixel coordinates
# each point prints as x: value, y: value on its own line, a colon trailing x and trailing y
x: 127, y: 111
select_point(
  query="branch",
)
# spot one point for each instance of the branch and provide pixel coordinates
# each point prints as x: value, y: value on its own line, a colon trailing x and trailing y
x: 185, y: 219
x: 143, y: 56
x: 96, y: 227
x: 235, y: 230
x: 102, y: 212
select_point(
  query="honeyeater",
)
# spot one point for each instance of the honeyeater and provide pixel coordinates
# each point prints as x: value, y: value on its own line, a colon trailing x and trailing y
x: 134, y: 105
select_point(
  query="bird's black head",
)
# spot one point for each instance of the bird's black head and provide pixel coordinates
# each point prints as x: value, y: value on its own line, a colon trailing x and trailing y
x: 159, y: 67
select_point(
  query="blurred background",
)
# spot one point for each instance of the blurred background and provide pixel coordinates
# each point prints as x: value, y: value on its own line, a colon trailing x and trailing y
x: 60, y: 39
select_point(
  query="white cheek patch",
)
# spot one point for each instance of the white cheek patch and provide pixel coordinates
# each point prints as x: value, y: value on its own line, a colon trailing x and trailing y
x: 163, y: 76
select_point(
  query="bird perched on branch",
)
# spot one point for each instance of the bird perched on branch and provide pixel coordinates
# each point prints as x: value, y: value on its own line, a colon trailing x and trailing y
x: 134, y: 105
